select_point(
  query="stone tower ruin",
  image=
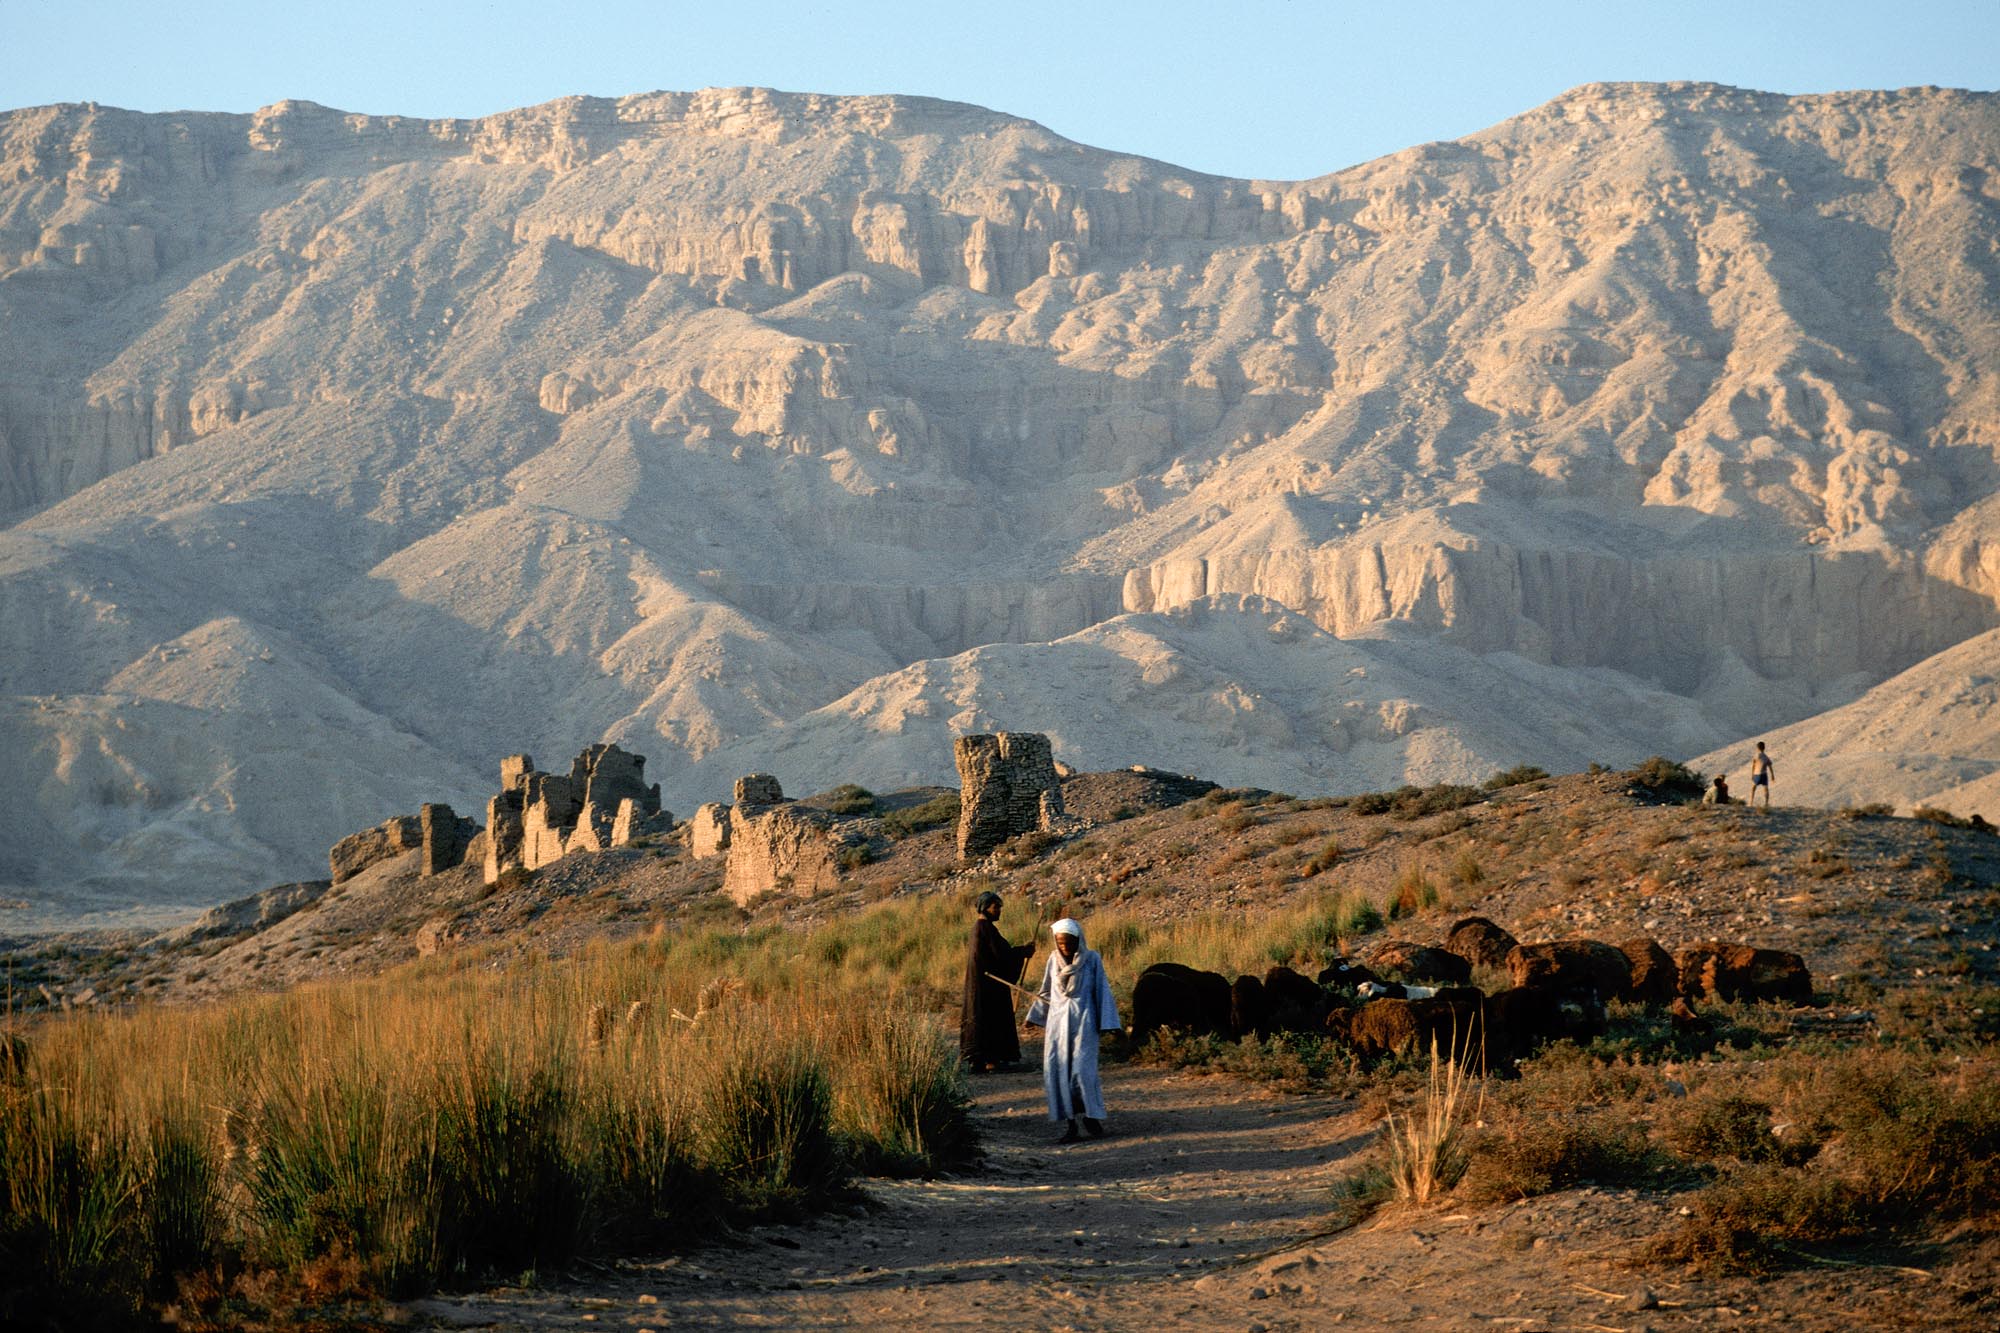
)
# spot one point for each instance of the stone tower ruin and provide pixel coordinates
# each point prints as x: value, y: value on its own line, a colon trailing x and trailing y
x: 1007, y: 786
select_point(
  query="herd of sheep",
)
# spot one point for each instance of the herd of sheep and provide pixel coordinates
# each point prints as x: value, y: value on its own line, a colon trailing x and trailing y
x: 1409, y: 996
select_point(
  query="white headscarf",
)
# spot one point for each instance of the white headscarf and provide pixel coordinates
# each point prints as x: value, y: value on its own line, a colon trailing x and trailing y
x: 1068, y: 974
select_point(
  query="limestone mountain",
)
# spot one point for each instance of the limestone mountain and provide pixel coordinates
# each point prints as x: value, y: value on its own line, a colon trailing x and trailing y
x: 382, y: 447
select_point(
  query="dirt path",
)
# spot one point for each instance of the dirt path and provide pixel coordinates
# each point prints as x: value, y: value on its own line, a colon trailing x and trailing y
x: 1207, y: 1207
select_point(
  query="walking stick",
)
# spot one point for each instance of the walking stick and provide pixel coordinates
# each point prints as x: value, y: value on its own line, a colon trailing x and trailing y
x: 1019, y: 990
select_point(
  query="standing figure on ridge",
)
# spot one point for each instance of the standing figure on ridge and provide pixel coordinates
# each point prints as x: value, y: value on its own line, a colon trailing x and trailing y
x: 986, y: 1035
x: 1761, y: 773
x: 1074, y: 1005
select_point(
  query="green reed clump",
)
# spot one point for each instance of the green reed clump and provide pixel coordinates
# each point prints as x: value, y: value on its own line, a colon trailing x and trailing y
x: 450, y: 1125
x: 767, y: 1125
x: 901, y: 1100
x: 653, y: 1187
x: 68, y: 1184
x: 346, y: 1162
x: 183, y: 1207
x: 1313, y: 933
x: 511, y: 1179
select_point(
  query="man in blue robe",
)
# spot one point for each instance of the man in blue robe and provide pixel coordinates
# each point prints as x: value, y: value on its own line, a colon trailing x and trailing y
x: 1073, y: 1006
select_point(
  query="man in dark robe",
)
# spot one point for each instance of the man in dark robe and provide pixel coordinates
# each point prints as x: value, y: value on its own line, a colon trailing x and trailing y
x: 986, y: 1033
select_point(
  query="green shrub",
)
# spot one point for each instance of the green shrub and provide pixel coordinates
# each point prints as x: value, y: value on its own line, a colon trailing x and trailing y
x: 1514, y: 777
x: 848, y: 799
x: 902, y: 1101
x: 767, y: 1126
x: 512, y: 1185
x: 1662, y: 778
x: 934, y: 813
x: 1522, y: 1154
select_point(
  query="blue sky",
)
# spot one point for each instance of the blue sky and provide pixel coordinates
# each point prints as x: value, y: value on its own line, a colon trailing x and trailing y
x: 1272, y: 88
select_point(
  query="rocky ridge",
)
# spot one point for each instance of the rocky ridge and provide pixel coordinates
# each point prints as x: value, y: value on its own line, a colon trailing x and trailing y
x: 387, y: 446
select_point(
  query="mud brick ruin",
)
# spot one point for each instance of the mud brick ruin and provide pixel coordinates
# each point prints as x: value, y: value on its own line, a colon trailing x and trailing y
x: 772, y: 844
x: 602, y: 802
x: 1007, y: 786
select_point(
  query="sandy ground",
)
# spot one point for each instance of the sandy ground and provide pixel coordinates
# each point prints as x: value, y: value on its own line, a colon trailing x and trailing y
x: 1206, y: 1207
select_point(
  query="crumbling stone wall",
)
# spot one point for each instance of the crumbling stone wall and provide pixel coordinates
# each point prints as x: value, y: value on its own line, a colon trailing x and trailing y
x: 537, y: 817
x: 708, y: 831
x: 446, y: 838
x: 534, y: 819
x: 634, y: 821
x: 786, y: 848
x: 357, y: 851
x: 758, y: 789
x: 1007, y: 786
x: 504, y: 816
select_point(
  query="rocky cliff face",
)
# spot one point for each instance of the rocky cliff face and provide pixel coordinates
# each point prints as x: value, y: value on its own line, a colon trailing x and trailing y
x: 674, y: 418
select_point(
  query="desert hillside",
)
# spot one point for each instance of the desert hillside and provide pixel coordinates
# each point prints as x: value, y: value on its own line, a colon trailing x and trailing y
x: 342, y: 454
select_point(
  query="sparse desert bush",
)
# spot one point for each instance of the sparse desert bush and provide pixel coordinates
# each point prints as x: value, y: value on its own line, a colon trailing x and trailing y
x: 513, y: 879
x: 1356, y: 1195
x: 1946, y: 819
x: 1323, y: 860
x: 1664, y: 778
x: 1877, y: 1140
x: 934, y: 813
x: 1437, y: 800
x: 1409, y: 803
x: 849, y: 799
x: 1378, y: 802
x: 1024, y: 847
x: 1413, y: 892
x: 1467, y: 869
x: 1296, y: 1062
x: 1723, y: 1125
x: 1514, y: 777
x: 1872, y: 810
x: 1519, y: 1155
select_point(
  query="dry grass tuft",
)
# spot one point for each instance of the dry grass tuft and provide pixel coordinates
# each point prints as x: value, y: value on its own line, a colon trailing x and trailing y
x: 1427, y: 1148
